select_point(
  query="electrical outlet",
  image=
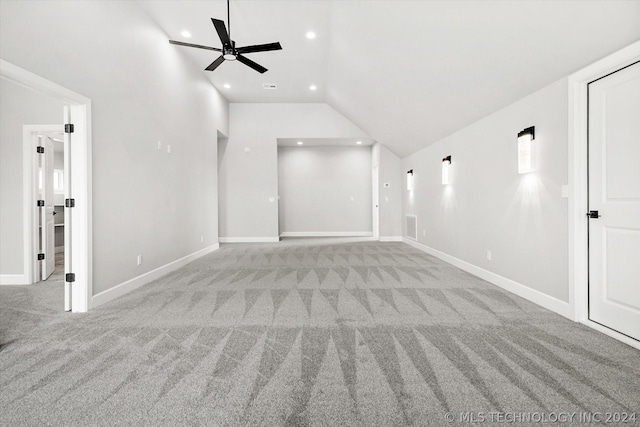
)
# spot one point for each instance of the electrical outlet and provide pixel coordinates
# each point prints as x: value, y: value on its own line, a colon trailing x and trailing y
x: 139, y: 259
x: 201, y: 239
x: 489, y: 255
x: 168, y: 148
x: 159, y: 145
x: 352, y: 198
x: 424, y: 232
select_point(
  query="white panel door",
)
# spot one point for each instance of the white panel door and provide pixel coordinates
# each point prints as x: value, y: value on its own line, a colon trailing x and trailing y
x: 614, y: 191
x: 46, y: 212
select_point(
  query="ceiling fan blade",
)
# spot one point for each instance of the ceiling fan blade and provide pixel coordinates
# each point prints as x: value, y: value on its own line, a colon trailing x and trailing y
x: 222, y: 31
x: 215, y: 63
x: 246, y: 61
x: 199, y: 46
x: 260, y: 48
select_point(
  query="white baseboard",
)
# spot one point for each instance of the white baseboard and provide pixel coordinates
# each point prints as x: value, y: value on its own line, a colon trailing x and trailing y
x: 536, y: 297
x: 248, y: 239
x: 326, y: 234
x: 391, y: 238
x: 128, y: 286
x: 14, y: 279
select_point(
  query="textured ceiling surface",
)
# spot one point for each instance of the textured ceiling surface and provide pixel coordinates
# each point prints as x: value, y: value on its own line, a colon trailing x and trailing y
x: 407, y: 72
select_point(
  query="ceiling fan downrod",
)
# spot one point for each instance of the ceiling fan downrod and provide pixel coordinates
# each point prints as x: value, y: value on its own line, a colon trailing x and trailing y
x: 229, y: 19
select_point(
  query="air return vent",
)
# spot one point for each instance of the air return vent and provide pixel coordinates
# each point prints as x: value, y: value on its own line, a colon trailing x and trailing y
x: 269, y: 86
x: 412, y: 226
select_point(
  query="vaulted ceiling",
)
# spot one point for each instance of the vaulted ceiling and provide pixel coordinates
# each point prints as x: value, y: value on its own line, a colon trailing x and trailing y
x: 407, y: 72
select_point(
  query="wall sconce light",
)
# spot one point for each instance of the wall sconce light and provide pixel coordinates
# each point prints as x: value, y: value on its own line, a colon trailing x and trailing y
x: 525, y: 150
x: 446, y: 162
x: 410, y: 180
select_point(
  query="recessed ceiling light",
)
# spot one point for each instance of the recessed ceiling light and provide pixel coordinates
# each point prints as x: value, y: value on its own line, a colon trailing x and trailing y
x: 359, y: 142
x: 226, y: 86
x: 311, y: 35
x: 313, y: 87
x: 300, y: 142
x: 186, y: 34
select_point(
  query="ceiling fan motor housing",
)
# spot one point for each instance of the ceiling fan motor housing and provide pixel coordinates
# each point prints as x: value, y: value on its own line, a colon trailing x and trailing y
x: 229, y: 51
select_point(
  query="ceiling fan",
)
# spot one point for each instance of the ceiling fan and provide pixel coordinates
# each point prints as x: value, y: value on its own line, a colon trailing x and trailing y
x: 229, y: 50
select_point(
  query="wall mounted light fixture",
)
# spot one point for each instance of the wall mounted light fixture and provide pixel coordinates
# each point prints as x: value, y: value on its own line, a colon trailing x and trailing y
x: 525, y: 150
x: 410, y: 180
x: 446, y: 162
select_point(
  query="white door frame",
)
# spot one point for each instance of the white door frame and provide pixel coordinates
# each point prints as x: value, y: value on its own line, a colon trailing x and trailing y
x: 81, y: 226
x: 578, y: 183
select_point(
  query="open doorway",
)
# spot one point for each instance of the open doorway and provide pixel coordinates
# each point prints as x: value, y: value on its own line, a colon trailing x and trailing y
x: 47, y: 146
x: 222, y: 200
x: 23, y: 186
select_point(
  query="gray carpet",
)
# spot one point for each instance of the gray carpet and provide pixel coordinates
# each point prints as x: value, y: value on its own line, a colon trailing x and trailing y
x: 304, y: 332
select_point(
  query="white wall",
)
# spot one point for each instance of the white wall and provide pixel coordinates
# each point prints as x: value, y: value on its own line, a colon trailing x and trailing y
x: 391, y: 197
x: 324, y: 189
x: 145, y: 201
x: 249, y: 166
x: 521, y: 219
x: 18, y: 106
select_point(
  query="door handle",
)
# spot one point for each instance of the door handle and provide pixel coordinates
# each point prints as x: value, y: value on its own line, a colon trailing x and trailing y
x: 593, y: 214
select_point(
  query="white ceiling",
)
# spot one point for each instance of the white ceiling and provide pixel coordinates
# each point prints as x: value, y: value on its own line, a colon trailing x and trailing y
x: 407, y: 72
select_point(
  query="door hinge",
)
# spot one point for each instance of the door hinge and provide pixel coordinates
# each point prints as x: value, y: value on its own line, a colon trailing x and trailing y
x: 68, y: 128
x: 40, y: 150
x: 69, y: 203
x: 593, y: 214
x: 40, y: 203
x: 70, y: 277
x: 40, y: 257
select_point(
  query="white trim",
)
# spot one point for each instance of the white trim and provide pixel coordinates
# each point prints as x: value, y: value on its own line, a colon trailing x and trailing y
x: 128, y: 286
x: 537, y: 297
x: 81, y: 249
x: 578, y: 196
x: 248, y: 239
x: 14, y: 279
x: 326, y: 234
x: 391, y: 238
x: 33, y: 81
x: 79, y: 178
